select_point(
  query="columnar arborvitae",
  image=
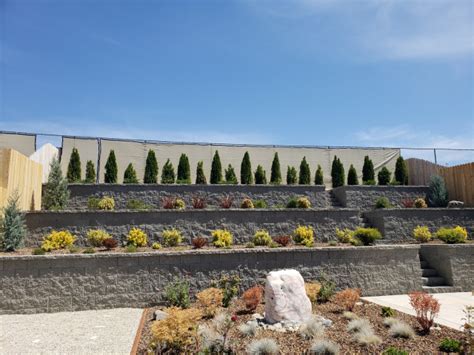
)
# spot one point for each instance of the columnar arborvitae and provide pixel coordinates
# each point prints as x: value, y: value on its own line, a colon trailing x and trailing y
x: 90, y: 172
x: 12, y: 225
x: 167, y: 174
x: 352, y: 178
x: 337, y: 172
x: 56, y: 193
x: 291, y: 175
x: 305, y: 173
x: 401, y: 171
x: 319, y: 178
x: 368, y: 174
x: 151, y: 168
x: 260, y: 176
x: 437, y: 194
x: 111, y: 169
x: 200, y: 177
x: 384, y: 176
x: 230, y: 177
x: 246, y: 177
x: 216, y: 169
x: 74, y: 167
x: 184, y: 170
x: 275, y: 177
x: 130, y: 175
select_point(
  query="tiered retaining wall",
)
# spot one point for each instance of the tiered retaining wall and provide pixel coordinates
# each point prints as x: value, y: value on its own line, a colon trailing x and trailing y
x: 54, y: 283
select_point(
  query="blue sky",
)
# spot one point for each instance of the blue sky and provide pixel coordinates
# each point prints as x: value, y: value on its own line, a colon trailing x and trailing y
x: 327, y: 72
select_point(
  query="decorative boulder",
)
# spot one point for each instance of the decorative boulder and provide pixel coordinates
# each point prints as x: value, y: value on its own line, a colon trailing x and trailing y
x: 455, y: 204
x: 285, y: 297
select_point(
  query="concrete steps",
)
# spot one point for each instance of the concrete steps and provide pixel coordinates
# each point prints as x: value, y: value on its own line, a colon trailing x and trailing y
x: 441, y: 289
x: 431, y: 280
x: 428, y: 272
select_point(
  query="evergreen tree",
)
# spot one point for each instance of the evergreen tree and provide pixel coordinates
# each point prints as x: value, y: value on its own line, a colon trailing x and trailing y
x: 130, y: 175
x: 12, y: 225
x: 151, y: 168
x: 337, y: 172
x: 200, y: 177
x: 368, y: 174
x: 291, y: 175
x: 384, y: 176
x: 56, y: 193
x: 230, y: 177
x: 305, y: 173
x: 216, y: 169
x: 352, y: 178
x: 437, y: 194
x: 111, y: 169
x: 401, y: 171
x: 184, y: 171
x: 167, y: 174
x: 90, y: 172
x: 318, y: 178
x: 74, y: 167
x: 275, y: 177
x: 260, y: 176
x: 246, y: 177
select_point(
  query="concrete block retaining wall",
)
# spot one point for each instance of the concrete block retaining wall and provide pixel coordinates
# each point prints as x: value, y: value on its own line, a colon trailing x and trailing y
x: 54, y: 283
x: 397, y: 224
x: 153, y: 194
x: 364, y: 197
x: 192, y: 223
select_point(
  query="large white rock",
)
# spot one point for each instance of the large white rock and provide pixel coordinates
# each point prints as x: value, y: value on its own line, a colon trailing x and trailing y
x: 285, y: 297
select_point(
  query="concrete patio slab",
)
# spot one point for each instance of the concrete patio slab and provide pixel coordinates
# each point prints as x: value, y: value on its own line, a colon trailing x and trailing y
x: 451, y: 312
x: 110, y: 331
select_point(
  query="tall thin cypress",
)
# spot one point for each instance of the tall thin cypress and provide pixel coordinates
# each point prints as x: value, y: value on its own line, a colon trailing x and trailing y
x: 151, y: 168
x: 74, y: 167
x: 275, y: 177
x: 401, y: 171
x: 216, y: 169
x: 291, y: 175
x: 230, y: 177
x: 184, y: 171
x: 337, y: 172
x: 319, y: 178
x: 260, y: 176
x: 368, y: 174
x: 352, y: 178
x: 246, y: 177
x: 200, y: 177
x: 305, y: 173
x: 56, y: 193
x: 90, y: 172
x: 130, y: 175
x: 111, y: 169
x: 167, y: 174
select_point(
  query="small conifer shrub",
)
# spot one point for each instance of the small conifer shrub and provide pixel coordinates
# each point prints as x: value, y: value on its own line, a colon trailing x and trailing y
x: 177, y: 293
x: 111, y: 169
x: 384, y: 176
x: 368, y: 173
x: 319, y: 178
x: 216, y: 169
x: 382, y: 202
x: 230, y: 177
x: 260, y: 176
x: 262, y: 237
x: 74, y: 167
x: 246, y: 177
x: 12, y: 225
x: 130, y: 175
x: 56, y: 193
x: 337, y: 172
x: 151, y: 168
x: 305, y: 173
x: 200, y: 176
x: 437, y: 193
x: 291, y: 176
x: 401, y: 171
x: 184, y: 170
x: 90, y: 172
x: 275, y: 177
x: 304, y: 235
x: 167, y: 174
x: 352, y: 178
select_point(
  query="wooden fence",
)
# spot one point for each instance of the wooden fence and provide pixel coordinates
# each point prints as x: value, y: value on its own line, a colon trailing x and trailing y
x: 420, y: 171
x: 459, y: 181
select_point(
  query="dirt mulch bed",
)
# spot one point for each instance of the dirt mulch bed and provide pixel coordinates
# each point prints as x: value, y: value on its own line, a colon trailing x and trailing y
x: 293, y: 343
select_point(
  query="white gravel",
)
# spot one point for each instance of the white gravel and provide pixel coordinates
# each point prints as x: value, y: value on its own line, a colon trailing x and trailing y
x: 110, y: 331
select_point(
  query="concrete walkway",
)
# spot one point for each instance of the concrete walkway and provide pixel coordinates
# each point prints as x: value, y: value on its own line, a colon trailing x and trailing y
x: 110, y: 331
x: 451, y: 311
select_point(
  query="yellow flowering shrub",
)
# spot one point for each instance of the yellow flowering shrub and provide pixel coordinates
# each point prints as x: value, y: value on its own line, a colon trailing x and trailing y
x: 454, y: 235
x: 156, y: 246
x: 304, y: 235
x: 96, y: 237
x: 312, y: 290
x: 179, y: 204
x: 178, y: 331
x: 137, y: 237
x: 106, y: 203
x: 262, y: 237
x: 247, y: 203
x: 209, y: 301
x: 344, y: 235
x: 57, y: 240
x: 422, y: 234
x: 172, y: 237
x: 303, y: 202
x: 420, y: 203
x: 221, y: 238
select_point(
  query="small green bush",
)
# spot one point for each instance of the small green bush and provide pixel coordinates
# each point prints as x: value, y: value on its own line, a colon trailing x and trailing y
x: 12, y: 225
x: 230, y: 177
x: 200, y: 176
x: 384, y: 176
x: 422, y: 234
x: 135, y: 204
x: 262, y: 237
x: 96, y: 237
x: 130, y: 175
x: 318, y: 177
x: 449, y: 345
x: 250, y: 245
x: 38, y: 251
x: 131, y: 248
x: 55, y: 192
x: 260, y: 176
x: 93, y: 203
x: 90, y: 172
x: 344, y: 235
x: 260, y: 204
x: 388, y: 312
x: 382, y: 202
x: 230, y: 287
x: 177, y: 293
x: 292, y: 203
x: 167, y: 174
x: 172, y: 237
x: 156, y: 246
x: 454, y: 235
x: 367, y: 236
x: 304, y: 235
x: 327, y: 290
x: 291, y: 175
x: 222, y: 238
x: 106, y: 203
x: 89, y: 251
x: 395, y: 351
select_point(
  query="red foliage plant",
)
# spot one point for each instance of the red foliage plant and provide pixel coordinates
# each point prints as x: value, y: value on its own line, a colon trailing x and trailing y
x: 252, y: 297
x: 168, y: 203
x: 347, y: 298
x: 109, y: 243
x: 283, y: 240
x: 407, y: 203
x: 199, y: 242
x: 199, y: 202
x: 426, y: 308
x: 227, y: 202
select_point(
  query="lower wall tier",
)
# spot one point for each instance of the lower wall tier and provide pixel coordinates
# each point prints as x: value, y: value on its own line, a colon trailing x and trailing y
x: 54, y: 283
x: 192, y: 223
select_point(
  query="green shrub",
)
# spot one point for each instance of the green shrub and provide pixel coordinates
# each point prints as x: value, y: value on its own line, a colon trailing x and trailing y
x: 135, y: 204
x: 344, y: 235
x: 246, y: 170
x: 130, y: 175
x: 448, y: 345
x: 454, y: 235
x: 172, y: 237
x: 73, y: 249
x: 262, y: 237
x: 111, y: 169
x: 93, y: 203
x: 401, y: 171
x: 247, y: 203
x: 388, y: 312
x: 384, y: 176
x: 56, y: 193
x: 352, y: 178
x: 395, y: 351
x: 250, y: 245
x: 420, y: 203
x: 382, y: 202
x: 216, y: 169
x: 200, y: 176
x: 275, y: 177
x: 230, y: 288
x: 89, y: 251
x: 319, y: 178
x: 305, y: 173
x: 367, y: 236
x: 291, y: 175
x: 230, y: 177
x: 332, y: 243
x: 221, y: 238
x: 106, y: 203
x: 177, y: 293
x: 151, y: 168
x: 327, y: 290
x: 260, y: 176
x: 422, y: 234
x: 12, y: 225
x: 260, y: 204
x: 96, y: 237
x: 368, y: 182
x: 437, y: 193
x: 156, y: 246
x: 304, y: 235
x: 167, y: 174
x: 368, y: 173
x: 337, y: 172
x: 184, y: 170
x: 38, y: 251
x: 292, y: 203
x: 131, y: 248
x: 90, y: 172
x: 74, y: 167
